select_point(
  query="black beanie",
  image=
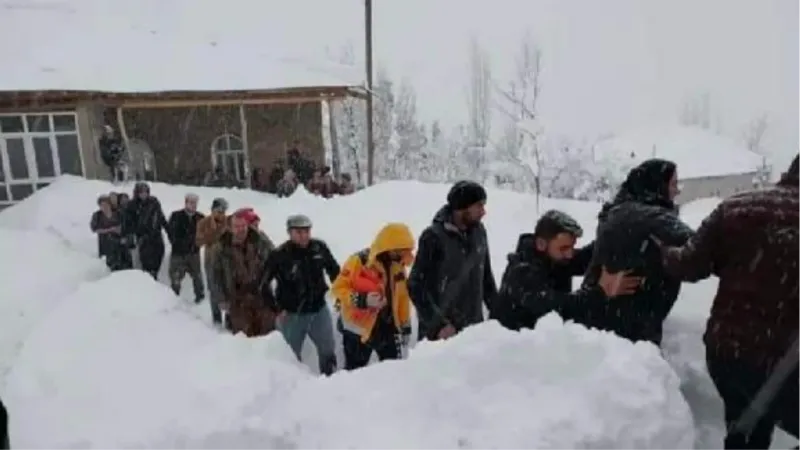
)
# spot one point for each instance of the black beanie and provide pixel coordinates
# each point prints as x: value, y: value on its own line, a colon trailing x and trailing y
x: 464, y: 194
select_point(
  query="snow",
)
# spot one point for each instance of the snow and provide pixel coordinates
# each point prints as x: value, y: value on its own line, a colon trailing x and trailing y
x: 698, y: 153
x: 152, y: 46
x: 117, y: 361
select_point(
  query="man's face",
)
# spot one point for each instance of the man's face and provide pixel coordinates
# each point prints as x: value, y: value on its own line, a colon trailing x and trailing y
x: 672, y: 187
x: 560, y: 249
x: 191, y: 205
x: 300, y: 236
x: 474, y: 213
x: 239, y: 227
x: 218, y: 213
x: 143, y: 194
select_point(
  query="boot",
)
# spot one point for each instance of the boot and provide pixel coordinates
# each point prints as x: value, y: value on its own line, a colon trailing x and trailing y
x: 328, y: 366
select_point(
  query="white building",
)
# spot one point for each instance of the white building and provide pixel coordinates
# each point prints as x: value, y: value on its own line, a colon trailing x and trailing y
x: 709, y: 165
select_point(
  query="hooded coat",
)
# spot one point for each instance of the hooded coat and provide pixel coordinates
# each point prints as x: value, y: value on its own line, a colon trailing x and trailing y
x: 641, y: 210
x: 356, y: 316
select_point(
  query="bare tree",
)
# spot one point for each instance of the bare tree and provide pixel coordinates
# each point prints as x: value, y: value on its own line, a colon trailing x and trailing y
x: 383, y: 120
x: 754, y: 132
x: 522, y: 99
x: 753, y: 136
x: 479, y: 96
x: 349, y: 114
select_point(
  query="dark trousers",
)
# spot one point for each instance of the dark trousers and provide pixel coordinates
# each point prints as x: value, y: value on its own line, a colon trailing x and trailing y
x: 180, y: 266
x: 151, y: 255
x: 738, y: 383
x: 357, y: 353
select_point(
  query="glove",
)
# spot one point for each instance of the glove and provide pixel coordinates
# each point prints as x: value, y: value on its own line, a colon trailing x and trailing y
x: 375, y: 300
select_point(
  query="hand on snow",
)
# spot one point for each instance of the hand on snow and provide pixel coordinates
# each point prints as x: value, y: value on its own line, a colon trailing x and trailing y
x: 447, y: 332
x: 620, y: 283
x: 376, y: 300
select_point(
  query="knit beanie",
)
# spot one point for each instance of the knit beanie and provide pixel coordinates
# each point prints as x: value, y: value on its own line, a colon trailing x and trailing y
x: 464, y: 194
x: 219, y: 204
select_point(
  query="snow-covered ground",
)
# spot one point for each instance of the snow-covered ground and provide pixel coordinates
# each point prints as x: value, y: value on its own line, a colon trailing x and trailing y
x: 97, y: 360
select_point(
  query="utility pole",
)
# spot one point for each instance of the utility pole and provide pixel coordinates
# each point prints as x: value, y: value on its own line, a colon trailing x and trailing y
x: 370, y: 112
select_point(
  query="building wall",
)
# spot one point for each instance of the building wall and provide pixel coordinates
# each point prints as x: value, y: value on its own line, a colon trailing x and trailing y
x: 90, y: 127
x: 181, y: 138
x: 725, y: 186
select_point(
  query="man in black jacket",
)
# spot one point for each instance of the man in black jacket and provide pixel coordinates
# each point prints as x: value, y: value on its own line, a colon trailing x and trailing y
x: 451, y: 278
x: 144, y: 221
x: 4, y: 440
x: 185, y: 257
x: 642, y: 208
x: 112, y: 151
x: 538, y: 278
x: 298, y: 266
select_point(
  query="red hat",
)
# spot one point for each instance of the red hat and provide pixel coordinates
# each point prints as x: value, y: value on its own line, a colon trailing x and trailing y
x: 248, y: 214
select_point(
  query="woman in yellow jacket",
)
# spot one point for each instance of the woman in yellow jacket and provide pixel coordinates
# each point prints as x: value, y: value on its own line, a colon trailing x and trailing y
x: 372, y: 294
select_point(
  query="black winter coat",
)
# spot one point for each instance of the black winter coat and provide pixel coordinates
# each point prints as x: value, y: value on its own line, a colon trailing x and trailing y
x: 111, y: 150
x: 533, y: 285
x: 640, y: 210
x: 145, y: 219
x: 182, y: 230
x: 299, y: 274
x: 4, y: 439
x: 445, y: 253
x: 107, y: 243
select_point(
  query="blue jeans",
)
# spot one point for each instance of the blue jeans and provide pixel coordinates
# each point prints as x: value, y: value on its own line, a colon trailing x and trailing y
x: 319, y: 328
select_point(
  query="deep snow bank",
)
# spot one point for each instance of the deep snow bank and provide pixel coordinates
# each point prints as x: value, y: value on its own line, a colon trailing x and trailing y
x: 112, y: 371
x: 348, y: 223
x: 36, y: 271
x: 133, y: 370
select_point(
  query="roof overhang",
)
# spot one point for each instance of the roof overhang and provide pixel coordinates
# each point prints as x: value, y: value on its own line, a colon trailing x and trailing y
x: 177, y: 99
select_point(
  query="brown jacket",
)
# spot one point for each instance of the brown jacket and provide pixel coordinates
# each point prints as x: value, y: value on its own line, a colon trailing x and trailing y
x: 238, y: 268
x: 209, y: 230
x: 750, y: 242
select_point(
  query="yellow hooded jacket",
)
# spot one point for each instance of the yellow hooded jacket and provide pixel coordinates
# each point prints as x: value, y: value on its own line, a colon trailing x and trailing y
x: 393, y: 236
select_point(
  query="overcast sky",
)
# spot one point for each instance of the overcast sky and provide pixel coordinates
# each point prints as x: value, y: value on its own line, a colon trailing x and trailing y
x: 608, y: 64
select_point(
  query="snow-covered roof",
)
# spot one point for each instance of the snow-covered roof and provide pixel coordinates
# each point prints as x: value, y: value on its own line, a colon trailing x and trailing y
x: 157, y: 45
x: 697, y: 152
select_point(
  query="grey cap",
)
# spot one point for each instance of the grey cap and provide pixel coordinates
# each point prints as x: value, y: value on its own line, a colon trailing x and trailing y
x: 298, y: 221
x: 220, y: 204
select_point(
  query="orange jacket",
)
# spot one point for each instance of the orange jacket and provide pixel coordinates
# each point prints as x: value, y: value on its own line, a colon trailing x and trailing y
x: 357, y: 278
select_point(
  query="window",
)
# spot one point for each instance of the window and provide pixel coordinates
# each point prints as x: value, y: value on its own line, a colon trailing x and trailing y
x: 228, y: 153
x: 34, y: 150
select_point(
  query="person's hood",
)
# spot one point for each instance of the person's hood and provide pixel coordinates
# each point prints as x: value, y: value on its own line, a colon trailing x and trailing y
x: 791, y: 178
x: 647, y: 183
x: 393, y: 236
x: 525, y: 250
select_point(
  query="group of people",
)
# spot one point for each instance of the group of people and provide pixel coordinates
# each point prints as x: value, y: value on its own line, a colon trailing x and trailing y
x: 632, y: 277
x: 633, y: 273
x: 284, y: 178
